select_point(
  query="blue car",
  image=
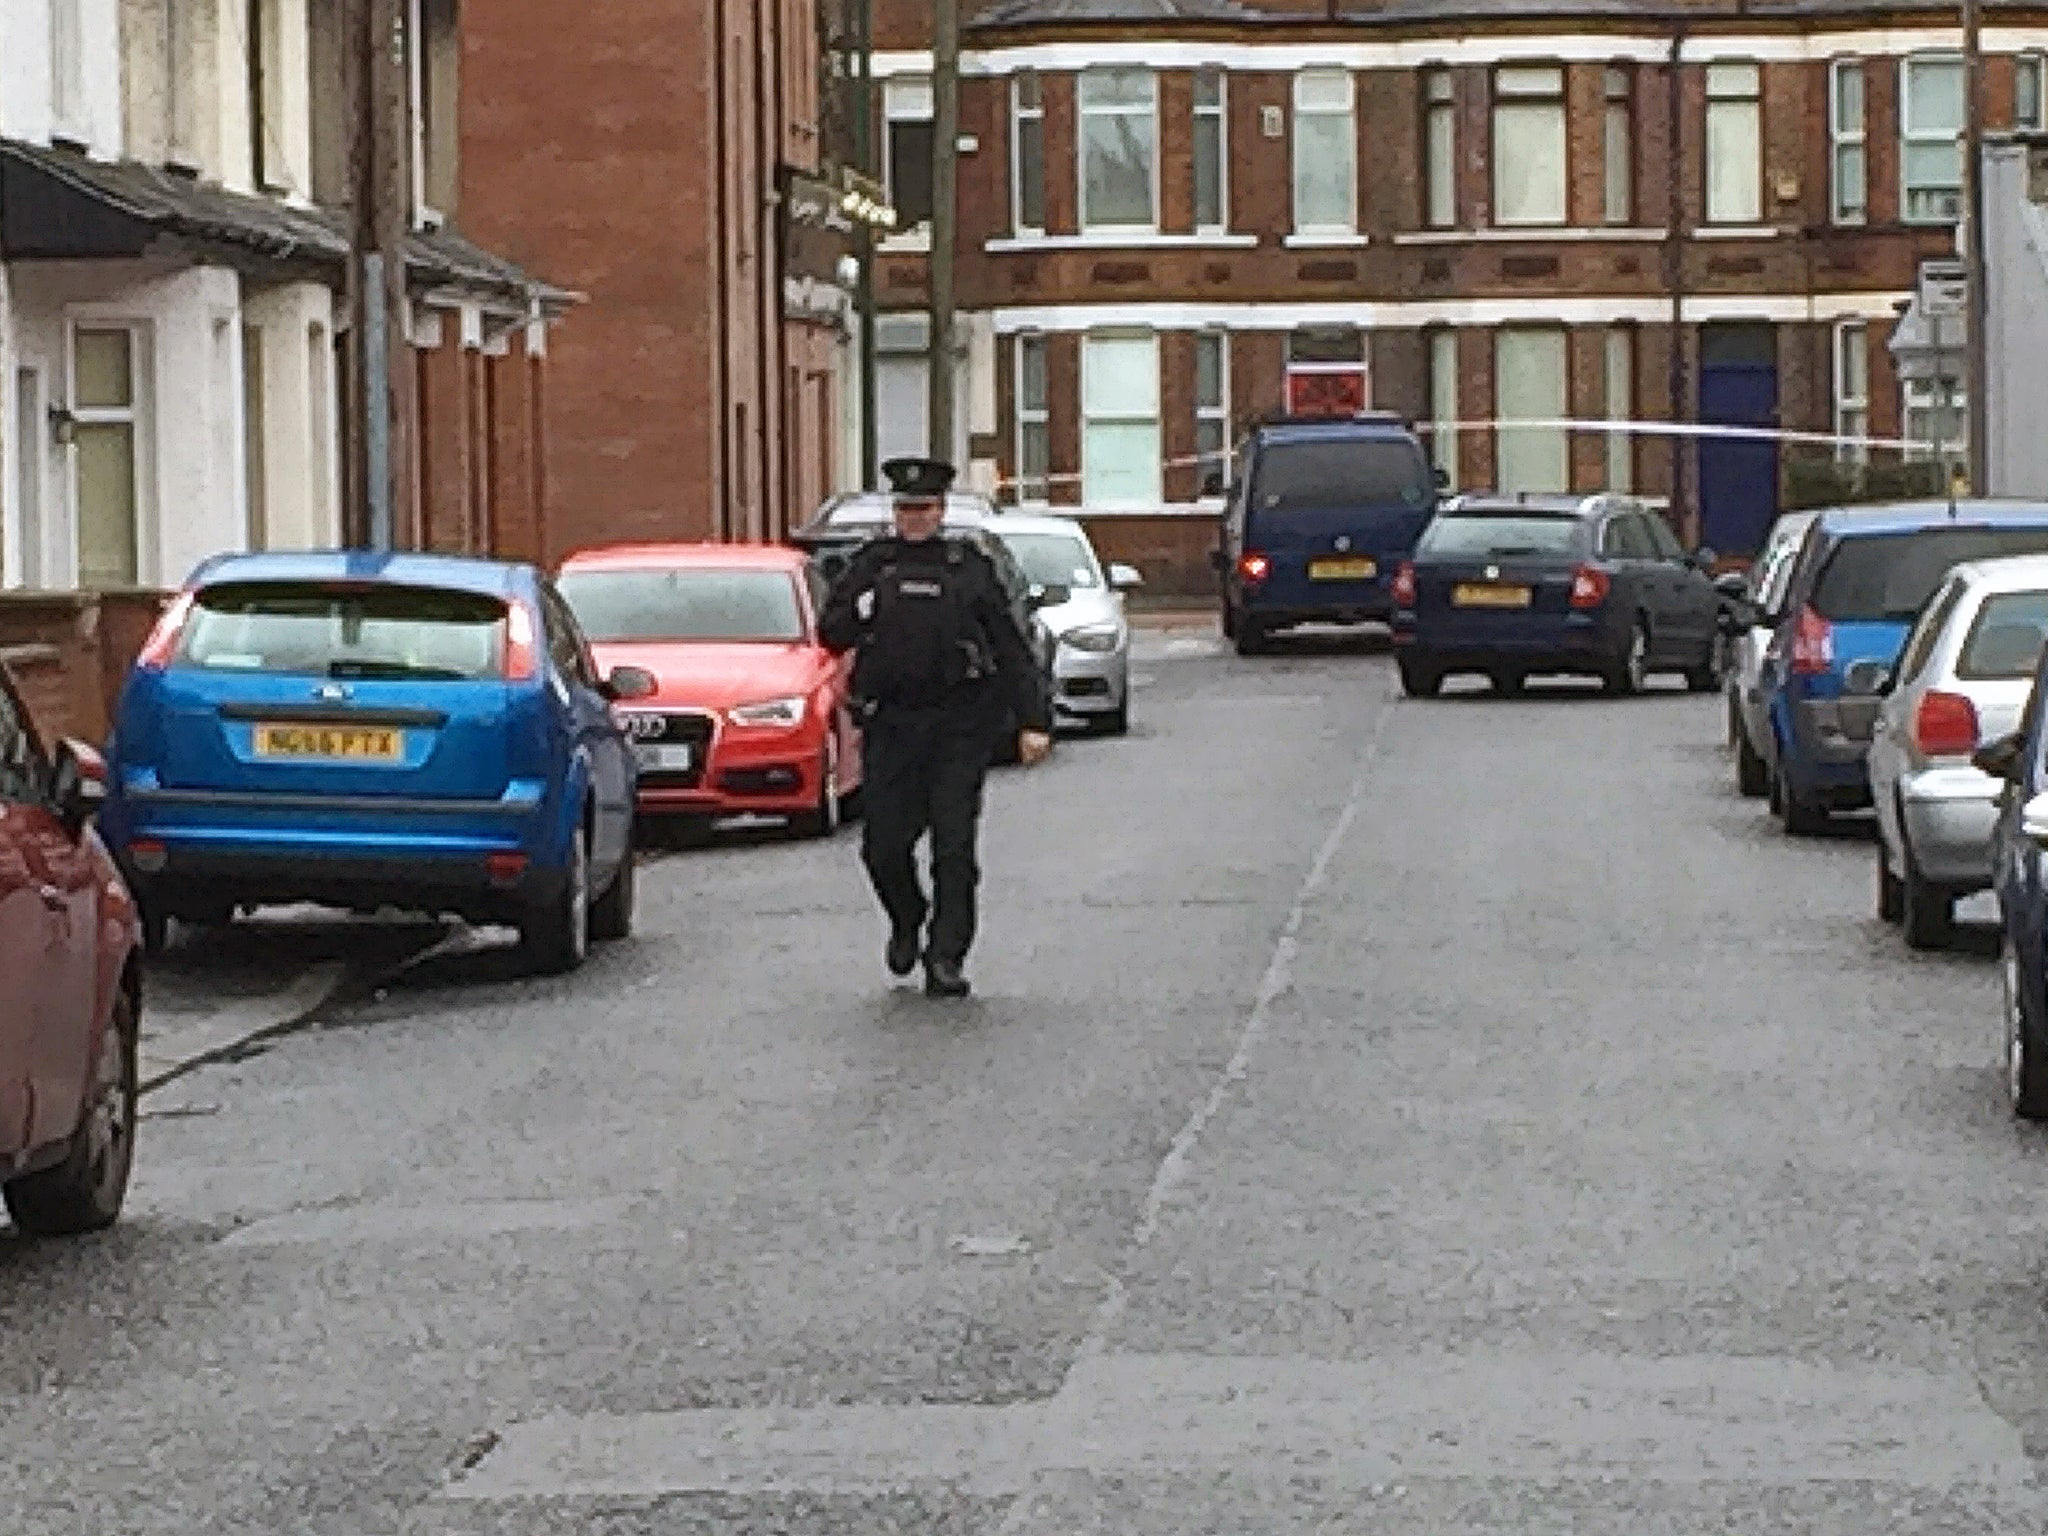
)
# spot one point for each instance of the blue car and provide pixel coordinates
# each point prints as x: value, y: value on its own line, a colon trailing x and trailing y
x: 1322, y: 515
x: 2019, y: 873
x: 1860, y: 579
x: 360, y: 731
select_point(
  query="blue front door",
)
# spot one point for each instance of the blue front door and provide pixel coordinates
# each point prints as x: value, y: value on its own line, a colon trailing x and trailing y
x: 1738, y: 476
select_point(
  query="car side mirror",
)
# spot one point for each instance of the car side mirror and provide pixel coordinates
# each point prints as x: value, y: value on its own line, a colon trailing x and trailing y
x: 1866, y: 679
x: 2001, y: 759
x: 629, y: 683
x: 1126, y: 578
x: 78, y: 784
x: 1704, y: 559
x: 2034, y: 822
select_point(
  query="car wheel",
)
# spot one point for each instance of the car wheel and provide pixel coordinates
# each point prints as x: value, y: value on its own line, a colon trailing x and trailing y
x: 2026, y: 1054
x: 823, y: 819
x: 1710, y: 674
x: 1229, y: 622
x: 1419, y: 680
x: 1891, y: 893
x: 1118, y: 721
x: 1927, y: 911
x: 611, y: 916
x: 84, y: 1193
x: 556, y: 936
x: 1752, y: 773
x: 1509, y: 683
x: 1800, y: 819
x: 1632, y: 668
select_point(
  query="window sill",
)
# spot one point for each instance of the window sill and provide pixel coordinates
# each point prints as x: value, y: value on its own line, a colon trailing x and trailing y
x: 1120, y: 240
x: 917, y: 243
x: 1519, y: 234
x: 1330, y: 240
x: 1737, y: 232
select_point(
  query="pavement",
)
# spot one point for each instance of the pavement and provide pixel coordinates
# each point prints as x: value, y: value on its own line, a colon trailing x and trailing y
x: 1374, y: 1115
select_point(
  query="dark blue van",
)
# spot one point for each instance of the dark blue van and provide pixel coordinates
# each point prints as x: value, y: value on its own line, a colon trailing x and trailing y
x: 1323, y: 512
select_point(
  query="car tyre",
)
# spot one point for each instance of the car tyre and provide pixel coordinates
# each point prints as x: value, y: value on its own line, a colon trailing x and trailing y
x: 611, y: 916
x: 1632, y: 668
x: 824, y: 819
x: 84, y: 1193
x: 1509, y: 683
x: 1752, y: 773
x: 1799, y: 818
x: 556, y: 935
x: 2026, y: 1053
x: 1927, y: 911
x: 1118, y: 721
x: 1710, y: 676
x: 1419, y: 680
x: 1891, y: 891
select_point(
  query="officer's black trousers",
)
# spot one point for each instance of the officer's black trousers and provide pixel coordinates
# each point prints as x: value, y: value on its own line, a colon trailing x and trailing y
x: 924, y: 772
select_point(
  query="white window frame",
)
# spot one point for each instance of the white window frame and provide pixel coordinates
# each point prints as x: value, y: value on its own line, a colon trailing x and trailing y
x: 902, y: 97
x: 1918, y: 401
x: 1304, y: 80
x: 424, y: 214
x: 1219, y: 112
x: 1513, y: 101
x: 1216, y: 415
x: 1735, y: 89
x: 2030, y: 66
x: 1020, y: 114
x: 1848, y: 140
x: 1618, y: 124
x: 1443, y: 402
x: 1910, y: 134
x: 1083, y: 111
x: 1852, y: 408
x: 1029, y: 417
x: 137, y: 415
x: 1157, y: 494
x: 1439, y: 130
x: 1618, y: 361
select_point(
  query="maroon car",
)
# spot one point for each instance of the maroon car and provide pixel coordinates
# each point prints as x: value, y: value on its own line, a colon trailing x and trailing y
x: 70, y: 989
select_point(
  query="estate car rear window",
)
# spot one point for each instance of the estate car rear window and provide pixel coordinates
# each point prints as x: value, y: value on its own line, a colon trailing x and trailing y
x: 2005, y: 640
x: 1518, y: 533
x: 1340, y: 472
x: 1892, y: 575
x: 327, y: 630
x: 625, y: 606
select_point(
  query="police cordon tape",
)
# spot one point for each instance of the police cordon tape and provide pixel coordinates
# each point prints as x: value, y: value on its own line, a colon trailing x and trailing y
x: 1833, y: 440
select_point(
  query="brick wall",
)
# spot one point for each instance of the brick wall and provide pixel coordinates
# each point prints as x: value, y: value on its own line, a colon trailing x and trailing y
x: 70, y: 652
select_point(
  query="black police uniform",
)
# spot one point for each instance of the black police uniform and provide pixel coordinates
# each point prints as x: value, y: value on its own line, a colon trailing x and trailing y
x: 939, y: 656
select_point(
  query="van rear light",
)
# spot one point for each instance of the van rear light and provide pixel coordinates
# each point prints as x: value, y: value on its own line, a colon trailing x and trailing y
x: 1813, y: 643
x: 162, y: 644
x: 1945, y: 725
x: 1403, y: 587
x: 522, y: 645
x: 1590, y: 587
x: 1254, y: 567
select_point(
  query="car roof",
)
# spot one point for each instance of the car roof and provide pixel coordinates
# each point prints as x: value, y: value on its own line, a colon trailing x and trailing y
x: 2009, y: 573
x: 460, y: 573
x: 857, y: 507
x: 1307, y: 429
x: 701, y: 556
x: 1590, y: 505
x: 1912, y: 516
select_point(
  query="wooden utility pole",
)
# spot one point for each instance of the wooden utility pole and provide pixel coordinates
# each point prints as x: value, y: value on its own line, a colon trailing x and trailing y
x: 945, y: 219
x: 864, y: 153
x: 378, y: 410
x: 1977, y: 380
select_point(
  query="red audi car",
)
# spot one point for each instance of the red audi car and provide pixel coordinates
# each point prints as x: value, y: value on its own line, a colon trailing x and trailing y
x: 751, y: 715
x: 70, y: 989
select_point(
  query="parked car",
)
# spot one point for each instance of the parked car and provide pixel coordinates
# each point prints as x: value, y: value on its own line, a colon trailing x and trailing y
x: 846, y: 522
x: 750, y: 714
x: 363, y: 730
x: 1962, y: 680
x: 1762, y: 592
x: 1513, y: 586
x: 1322, y: 514
x: 1084, y: 611
x: 1861, y: 579
x: 71, y: 1006
x: 2019, y: 866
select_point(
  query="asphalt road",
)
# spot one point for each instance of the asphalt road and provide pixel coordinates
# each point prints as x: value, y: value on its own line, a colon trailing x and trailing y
x: 1375, y: 1116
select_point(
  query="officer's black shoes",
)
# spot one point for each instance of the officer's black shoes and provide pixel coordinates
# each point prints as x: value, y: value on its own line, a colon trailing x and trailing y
x: 902, y: 954
x: 944, y: 978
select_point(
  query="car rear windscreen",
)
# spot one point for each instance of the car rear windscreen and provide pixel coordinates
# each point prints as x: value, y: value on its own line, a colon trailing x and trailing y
x: 327, y: 630
x: 2005, y: 640
x: 1892, y: 575
x: 625, y: 606
x: 1343, y: 474
x: 1491, y: 535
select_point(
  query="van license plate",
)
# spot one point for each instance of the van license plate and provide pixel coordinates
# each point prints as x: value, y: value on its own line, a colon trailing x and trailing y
x: 331, y: 743
x: 1342, y: 570
x: 1477, y: 595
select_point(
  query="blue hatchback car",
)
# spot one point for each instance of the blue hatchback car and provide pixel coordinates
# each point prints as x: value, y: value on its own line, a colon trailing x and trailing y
x: 1860, y: 580
x: 362, y: 730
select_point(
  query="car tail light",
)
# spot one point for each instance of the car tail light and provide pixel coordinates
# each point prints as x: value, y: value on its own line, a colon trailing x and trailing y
x: 1813, y: 643
x: 1945, y: 725
x: 1404, y: 585
x: 1590, y: 587
x: 162, y: 644
x: 522, y: 647
x: 148, y: 856
x: 506, y: 868
x: 1254, y: 567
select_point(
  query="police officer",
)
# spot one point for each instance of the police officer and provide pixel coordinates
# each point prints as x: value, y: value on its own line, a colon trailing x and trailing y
x: 940, y: 655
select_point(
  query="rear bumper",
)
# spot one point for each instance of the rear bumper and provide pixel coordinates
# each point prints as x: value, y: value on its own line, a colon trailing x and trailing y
x: 1950, y: 814
x: 1573, y: 642
x: 1823, y: 765
x: 1298, y: 602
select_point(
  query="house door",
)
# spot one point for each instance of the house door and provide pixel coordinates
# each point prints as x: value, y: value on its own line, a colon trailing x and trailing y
x: 1738, y: 487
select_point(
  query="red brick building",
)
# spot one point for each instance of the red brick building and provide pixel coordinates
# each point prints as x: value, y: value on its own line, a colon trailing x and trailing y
x: 1182, y: 214
x: 637, y: 152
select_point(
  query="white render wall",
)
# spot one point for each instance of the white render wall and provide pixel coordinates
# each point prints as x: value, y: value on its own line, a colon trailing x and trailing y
x: 301, y: 501
x: 2016, y: 338
x: 28, y: 102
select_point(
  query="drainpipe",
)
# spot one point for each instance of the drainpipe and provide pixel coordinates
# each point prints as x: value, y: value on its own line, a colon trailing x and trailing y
x: 1674, y: 279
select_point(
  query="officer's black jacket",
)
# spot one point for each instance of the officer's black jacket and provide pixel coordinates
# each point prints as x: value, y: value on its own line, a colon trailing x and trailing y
x: 843, y: 628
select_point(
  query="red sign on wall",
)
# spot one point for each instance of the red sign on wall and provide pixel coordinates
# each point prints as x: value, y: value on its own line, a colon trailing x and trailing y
x: 1326, y: 392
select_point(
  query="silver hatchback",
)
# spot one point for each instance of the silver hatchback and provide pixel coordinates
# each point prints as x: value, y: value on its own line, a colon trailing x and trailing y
x: 1083, y: 608
x: 1961, y: 680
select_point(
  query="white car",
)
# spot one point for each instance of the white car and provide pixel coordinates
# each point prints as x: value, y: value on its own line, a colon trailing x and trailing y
x: 1768, y: 579
x: 1961, y: 682
x: 1084, y: 610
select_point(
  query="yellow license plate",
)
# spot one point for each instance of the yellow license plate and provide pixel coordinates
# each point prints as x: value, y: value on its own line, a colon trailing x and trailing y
x: 331, y: 743
x: 1341, y: 570
x: 1476, y: 595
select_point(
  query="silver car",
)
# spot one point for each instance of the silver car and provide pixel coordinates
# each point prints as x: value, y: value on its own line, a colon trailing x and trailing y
x: 1961, y: 680
x: 1084, y: 610
x: 1747, y: 722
